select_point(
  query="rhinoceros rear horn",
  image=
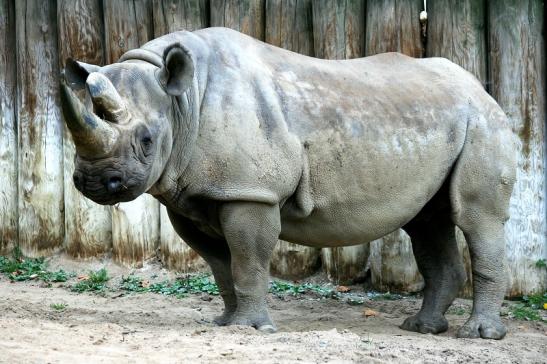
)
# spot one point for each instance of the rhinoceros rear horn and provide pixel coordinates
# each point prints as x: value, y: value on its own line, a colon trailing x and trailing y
x: 106, y: 100
x: 177, y: 72
x: 93, y: 137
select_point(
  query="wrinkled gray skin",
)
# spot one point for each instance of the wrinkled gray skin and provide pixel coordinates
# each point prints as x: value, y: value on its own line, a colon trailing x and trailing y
x: 245, y: 143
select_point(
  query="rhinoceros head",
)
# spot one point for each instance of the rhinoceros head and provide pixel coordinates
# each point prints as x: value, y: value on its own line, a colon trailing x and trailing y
x: 123, y: 137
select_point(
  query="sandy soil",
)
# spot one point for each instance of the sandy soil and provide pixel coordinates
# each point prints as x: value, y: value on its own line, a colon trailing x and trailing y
x: 152, y: 328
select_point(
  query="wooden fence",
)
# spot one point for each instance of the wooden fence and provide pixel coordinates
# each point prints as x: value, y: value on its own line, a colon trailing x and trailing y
x: 499, y: 41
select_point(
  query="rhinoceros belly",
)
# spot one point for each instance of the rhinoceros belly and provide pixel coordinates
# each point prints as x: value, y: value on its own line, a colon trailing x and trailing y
x: 365, y: 181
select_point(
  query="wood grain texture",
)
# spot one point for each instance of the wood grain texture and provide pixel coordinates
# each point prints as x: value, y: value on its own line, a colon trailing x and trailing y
x: 246, y: 16
x: 128, y: 25
x: 171, y: 16
x: 174, y: 15
x: 40, y: 131
x: 88, y: 226
x: 8, y: 129
x: 289, y: 25
x: 338, y: 28
x: 135, y: 224
x: 338, y: 33
x: 394, y: 26
x: 517, y: 70
x: 456, y: 30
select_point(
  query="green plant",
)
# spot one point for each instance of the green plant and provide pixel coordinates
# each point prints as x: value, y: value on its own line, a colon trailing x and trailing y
x: 94, y: 282
x: 20, y: 268
x: 58, y: 306
x: 189, y: 284
x: 280, y: 288
x: 541, y: 263
x: 522, y: 312
x: 375, y: 296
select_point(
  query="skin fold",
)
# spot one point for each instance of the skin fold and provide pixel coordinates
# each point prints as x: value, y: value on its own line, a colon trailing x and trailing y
x: 245, y: 143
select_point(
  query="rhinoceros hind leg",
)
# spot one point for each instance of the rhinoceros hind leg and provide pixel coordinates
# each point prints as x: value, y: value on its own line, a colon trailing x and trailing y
x: 434, y: 246
x: 251, y: 230
x: 480, y: 191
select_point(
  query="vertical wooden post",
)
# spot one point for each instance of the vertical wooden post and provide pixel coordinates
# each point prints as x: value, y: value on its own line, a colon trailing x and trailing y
x: 456, y: 30
x: 339, y: 33
x: 8, y: 129
x: 517, y: 72
x: 135, y: 224
x: 88, y: 226
x: 171, y: 16
x: 394, y: 26
x: 246, y: 16
x: 41, y: 217
x: 289, y: 25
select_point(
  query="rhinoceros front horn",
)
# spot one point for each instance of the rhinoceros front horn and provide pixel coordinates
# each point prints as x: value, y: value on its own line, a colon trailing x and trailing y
x: 93, y: 136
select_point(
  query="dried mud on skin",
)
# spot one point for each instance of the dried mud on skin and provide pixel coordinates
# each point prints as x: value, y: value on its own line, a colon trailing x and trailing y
x: 163, y: 329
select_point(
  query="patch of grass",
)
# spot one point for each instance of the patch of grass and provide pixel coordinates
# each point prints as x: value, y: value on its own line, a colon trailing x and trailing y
x: 541, y: 263
x: 376, y: 296
x: 58, y: 306
x: 282, y: 288
x: 94, y: 282
x: 522, y: 312
x: 19, y: 268
x: 190, y: 284
x: 458, y: 311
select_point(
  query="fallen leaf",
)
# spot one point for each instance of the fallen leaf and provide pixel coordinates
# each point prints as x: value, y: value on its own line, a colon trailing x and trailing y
x: 145, y: 284
x: 343, y: 289
x: 370, y: 313
x: 32, y: 276
x: 83, y: 277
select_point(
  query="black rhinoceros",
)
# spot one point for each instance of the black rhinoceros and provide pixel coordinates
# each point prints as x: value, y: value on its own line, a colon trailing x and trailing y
x: 244, y: 143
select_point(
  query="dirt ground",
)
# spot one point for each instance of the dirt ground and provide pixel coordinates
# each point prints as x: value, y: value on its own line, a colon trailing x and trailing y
x: 152, y: 328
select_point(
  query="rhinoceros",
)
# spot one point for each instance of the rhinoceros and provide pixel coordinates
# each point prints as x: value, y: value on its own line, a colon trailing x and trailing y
x: 246, y: 143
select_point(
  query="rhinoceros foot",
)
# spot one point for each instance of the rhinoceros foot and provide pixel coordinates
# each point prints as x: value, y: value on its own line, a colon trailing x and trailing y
x: 260, y: 321
x: 224, y: 319
x: 482, y: 326
x: 425, y: 324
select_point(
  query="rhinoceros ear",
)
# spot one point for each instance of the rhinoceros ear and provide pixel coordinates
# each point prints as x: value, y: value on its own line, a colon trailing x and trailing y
x: 177, y: 72
x: 76, y: 73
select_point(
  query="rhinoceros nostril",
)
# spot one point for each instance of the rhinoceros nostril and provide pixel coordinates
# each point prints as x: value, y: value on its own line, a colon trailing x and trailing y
x: 114, y: 184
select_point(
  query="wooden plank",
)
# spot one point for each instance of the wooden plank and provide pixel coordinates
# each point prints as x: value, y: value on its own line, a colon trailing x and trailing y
x: 40, y: 177
x: 338, y: 28
x: 246, y: 16
x: 88, y: 226
x: 338, y: 32
x: 171, y: 16
x: 289, y: 25
x: 517, y: 71
x: 394, y: 26
x: 8, y: 130
x: 174, y: 15
x: 135, y: 224
x: 456, y: 30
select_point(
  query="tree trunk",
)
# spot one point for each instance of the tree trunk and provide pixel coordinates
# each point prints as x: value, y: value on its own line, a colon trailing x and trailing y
x: 338, y: 32
x: 135, y: 224
x: 40, y: 178
x: 88, y: 226
x: 8, y: 129
x: 517, y: 71
x: 394, y: 26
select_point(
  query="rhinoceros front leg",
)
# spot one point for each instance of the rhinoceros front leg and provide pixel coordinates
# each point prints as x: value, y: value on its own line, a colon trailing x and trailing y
x: 217, y: 254
x: 251, y: 230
